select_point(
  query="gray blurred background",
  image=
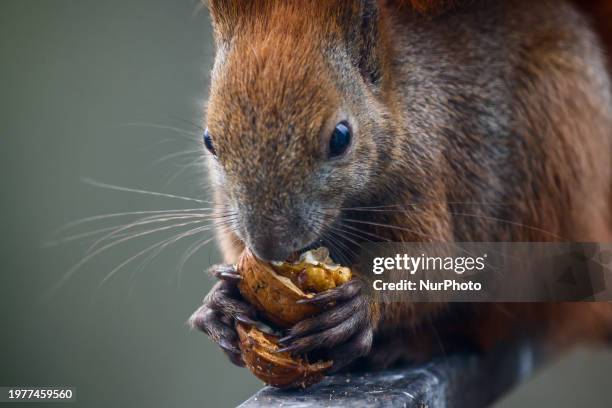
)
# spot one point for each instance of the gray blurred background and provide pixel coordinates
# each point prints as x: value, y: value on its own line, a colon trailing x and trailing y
x: 113, y: 91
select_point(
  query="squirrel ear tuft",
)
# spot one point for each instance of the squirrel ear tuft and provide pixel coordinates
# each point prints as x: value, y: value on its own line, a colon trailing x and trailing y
x: 360, y: 23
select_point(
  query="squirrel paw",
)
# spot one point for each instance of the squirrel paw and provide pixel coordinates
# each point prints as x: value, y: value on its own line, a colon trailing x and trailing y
x: 221, y: 309
x: 345, y: 327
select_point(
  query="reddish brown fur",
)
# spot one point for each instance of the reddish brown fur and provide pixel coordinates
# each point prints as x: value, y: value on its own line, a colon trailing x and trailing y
x: 563, y: 187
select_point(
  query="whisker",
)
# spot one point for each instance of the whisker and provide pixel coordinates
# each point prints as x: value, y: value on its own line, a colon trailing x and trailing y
x: 177, y: 154
x: 75, y: 237
x: 341, y: 232
x: 141, y: 267
x: 341, y: 237
x: 338, y: 246
x: 158, y: 143
x: 160, y: 247
x: 377, y: 224
x: 88, y: 257
x: 405, y: 229
x: 192, y: 250
x: 198, y: 159
x: 359, y: 230
x: 95, y: 183
x: 400, y: 207
x: 188, y: 254
x: 138, y: 223
x: 411, y: 207
x: 75, y: 223
x: 328, y: 236
x: 221, y: 222
x: 189, y: 122
x: 182, y: 132
x: 510, y: 222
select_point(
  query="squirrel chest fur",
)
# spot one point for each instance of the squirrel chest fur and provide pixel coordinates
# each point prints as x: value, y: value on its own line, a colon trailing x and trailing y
x: 342, y: 122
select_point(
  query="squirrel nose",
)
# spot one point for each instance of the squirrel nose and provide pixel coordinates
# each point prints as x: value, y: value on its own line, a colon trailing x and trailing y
x: 269, y: 248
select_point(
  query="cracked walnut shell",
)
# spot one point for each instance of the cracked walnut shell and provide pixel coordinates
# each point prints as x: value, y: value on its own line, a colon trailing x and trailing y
x: 280, y: 370
x: 274, y: 290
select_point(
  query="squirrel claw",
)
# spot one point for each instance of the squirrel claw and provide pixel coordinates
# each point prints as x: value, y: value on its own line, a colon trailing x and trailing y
x: 225, y: 272
x: 342, y: 293
x: 344, y: 329
x: 218, y: 313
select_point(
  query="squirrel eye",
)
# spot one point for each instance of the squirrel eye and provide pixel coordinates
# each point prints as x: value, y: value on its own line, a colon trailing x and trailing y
x: 208, y: 142
x: 340, y: 140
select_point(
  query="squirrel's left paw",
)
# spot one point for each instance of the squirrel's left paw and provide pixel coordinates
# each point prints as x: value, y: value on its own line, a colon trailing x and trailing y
x: 345, y: 328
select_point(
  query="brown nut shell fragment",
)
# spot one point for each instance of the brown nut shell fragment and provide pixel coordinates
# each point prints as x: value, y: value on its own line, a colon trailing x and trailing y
x: 280, y: 370
x: 271, y: 293
x: 275, y: 289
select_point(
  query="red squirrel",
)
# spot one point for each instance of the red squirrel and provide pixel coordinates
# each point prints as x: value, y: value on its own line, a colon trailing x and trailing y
x: 321, y: 112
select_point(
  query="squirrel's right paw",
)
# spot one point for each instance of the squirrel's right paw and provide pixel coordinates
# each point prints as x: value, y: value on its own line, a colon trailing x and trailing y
x: 221, y: 309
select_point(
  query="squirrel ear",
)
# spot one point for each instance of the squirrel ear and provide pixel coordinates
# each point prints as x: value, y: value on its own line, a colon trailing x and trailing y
x: 363, y: 37
x: 365, y: 32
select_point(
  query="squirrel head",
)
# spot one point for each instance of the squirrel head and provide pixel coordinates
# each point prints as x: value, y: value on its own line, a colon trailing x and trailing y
x: 294, y: 126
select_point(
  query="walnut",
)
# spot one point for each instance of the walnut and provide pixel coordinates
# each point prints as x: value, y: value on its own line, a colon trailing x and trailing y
x: 274, y: 290
x: 281, y: 370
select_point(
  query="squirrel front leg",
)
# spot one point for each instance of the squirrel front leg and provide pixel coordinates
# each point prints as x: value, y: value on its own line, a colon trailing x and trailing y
x: 223, y: 306
x: 345, y: 329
